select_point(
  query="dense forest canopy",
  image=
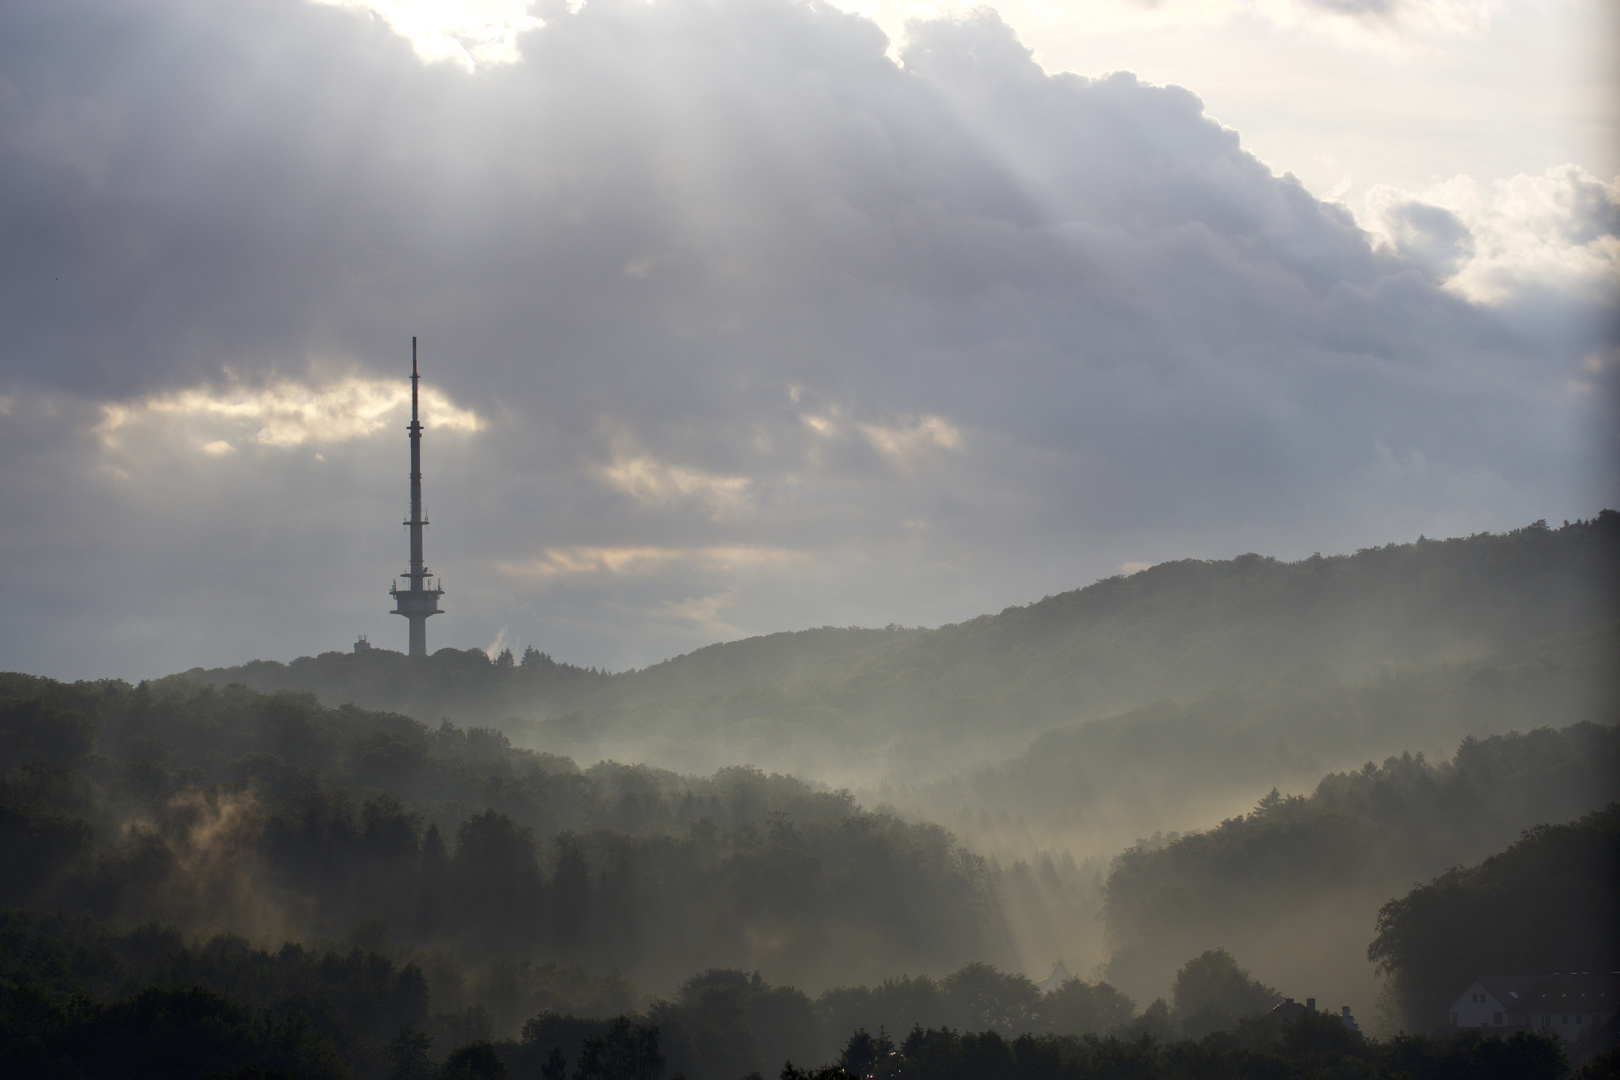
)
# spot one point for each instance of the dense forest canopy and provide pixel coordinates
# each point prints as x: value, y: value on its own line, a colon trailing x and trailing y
x: 352, y: 865
x: 78, y: 998
x: 715, y: 1024
x: 1106, y: 782
x: 1557, y: 888
x: 1294, y: 885
x: 1049, y: 737
x: 271, y: 813
x: 173, y: 801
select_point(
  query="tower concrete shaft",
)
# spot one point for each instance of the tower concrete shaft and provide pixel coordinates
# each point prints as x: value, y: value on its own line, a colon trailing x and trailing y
x: 418, y: 602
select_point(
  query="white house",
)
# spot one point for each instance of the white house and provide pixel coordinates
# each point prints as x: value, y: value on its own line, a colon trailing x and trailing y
x: 1059, y: 976
x: 1490, y: 1001
x: 1572, y: 1005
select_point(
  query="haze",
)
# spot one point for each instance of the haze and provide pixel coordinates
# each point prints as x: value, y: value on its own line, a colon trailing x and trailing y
x: 1042, y: 533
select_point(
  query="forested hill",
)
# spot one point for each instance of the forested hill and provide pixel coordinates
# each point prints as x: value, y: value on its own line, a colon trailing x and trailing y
x: 918, y: 702
x: 1440, y: 935
x: 272, y: 815
x: 1294, y: 885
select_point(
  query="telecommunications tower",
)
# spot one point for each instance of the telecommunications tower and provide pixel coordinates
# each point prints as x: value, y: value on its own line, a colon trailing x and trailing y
x: 418, y: 602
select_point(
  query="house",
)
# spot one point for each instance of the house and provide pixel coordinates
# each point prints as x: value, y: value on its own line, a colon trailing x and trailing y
x: 1059, y: 976
x: 1490, y: 1001
x: 1571, y: 1005
x: 1292, y: 1010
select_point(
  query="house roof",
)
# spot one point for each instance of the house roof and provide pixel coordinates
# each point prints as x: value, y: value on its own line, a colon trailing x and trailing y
x: 1572, y: 993
x: 1507, y: 989
x: 1287, y: 1009
x: 1059, y: 976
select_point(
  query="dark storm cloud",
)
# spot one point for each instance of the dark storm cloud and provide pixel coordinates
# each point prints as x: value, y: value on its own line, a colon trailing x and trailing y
x: 764, y: 329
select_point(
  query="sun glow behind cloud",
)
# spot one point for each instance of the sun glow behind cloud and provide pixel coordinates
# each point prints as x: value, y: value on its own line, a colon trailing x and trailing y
x: 588, y: 560
x: 1030, y: 327
x: 905, y: 442
x: 469, y: 33
x: 482, y: 33
x: 1379, y: 92
x: 652, y: 482
x: 281, y: 413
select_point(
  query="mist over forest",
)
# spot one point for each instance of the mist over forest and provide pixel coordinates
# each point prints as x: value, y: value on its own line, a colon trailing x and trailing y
x: 898, y: 706
x: 1044, y: 542
x: 1202, y: 788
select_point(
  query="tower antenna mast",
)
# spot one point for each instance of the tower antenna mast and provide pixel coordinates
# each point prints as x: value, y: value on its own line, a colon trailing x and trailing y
x: 418, y: 602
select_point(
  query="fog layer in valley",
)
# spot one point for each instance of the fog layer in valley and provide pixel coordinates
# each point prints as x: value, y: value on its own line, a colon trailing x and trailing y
x: 767, y: 360
x: 1052, y: 737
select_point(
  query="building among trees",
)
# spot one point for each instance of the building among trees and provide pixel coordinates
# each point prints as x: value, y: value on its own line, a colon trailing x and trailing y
x: 1571, y: 1005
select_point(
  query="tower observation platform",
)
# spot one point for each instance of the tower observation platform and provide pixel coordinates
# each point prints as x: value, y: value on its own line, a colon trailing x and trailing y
x: 419, y: 601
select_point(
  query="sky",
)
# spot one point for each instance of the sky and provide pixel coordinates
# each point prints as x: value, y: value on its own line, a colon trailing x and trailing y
x: 739, y: 316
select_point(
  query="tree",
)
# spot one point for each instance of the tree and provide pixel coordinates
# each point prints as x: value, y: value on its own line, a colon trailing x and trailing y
x: 1078, y: 1007
x: 1212, y: 992
x: 475, y: 1061
x: 498, y: 878
x: 980, y: 998
x: 410, y: 1054
x: 1431, y: 942
x: 863, y: 1052
x: 627, y: 1051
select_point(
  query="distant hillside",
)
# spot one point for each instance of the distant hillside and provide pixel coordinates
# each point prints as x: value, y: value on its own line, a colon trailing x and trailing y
x: 1294, y: 886
x: 1170, y: 765
x: 860, y: 706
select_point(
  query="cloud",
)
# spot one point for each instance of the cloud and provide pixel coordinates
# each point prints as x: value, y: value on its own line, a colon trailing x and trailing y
x: 1407, y: 16
x: 655, y: 483
x: 279, y: 413
x: 1032, y: 326
x: 907, y: 441
x: 1558, y: 232
x: 703, y: 611
x: 468, y: 33
x: 903, y: 442
x: 621, y: 561
x: 1432, y: 237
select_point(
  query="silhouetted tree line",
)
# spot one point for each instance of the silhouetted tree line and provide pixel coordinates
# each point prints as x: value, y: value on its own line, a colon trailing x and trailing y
x: 1270, y: 881
x: 230, y: 808
x: 1314, y: 1045
x: 400, y: 1011
x: 1551, y: 902
x: 451, y: 680
x: 80, y: 1000
x: 91, y: 995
